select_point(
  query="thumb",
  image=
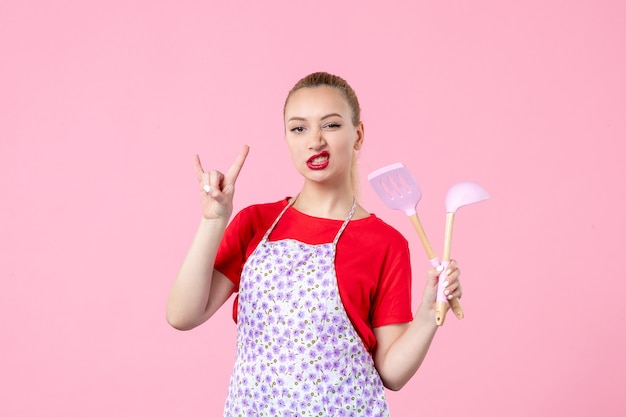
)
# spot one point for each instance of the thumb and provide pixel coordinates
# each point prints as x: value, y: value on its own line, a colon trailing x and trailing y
x: 434, y: 274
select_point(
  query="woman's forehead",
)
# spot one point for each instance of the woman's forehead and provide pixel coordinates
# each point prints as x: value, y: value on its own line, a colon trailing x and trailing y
x: 313, y: 101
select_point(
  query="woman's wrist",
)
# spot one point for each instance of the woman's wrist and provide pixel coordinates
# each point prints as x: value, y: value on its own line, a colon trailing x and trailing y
x: 219, y: 222
x: 425, y: 315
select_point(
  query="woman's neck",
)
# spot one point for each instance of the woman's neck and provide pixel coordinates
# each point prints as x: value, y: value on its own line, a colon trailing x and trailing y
x: 324, y: 202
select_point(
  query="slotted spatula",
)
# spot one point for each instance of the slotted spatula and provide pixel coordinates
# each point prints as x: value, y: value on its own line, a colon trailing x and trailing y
x: 399, y: 190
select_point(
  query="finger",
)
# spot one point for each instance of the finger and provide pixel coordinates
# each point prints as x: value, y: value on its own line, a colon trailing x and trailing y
x: 451, y: 281
x: 452, y: 274
x: 204, y: 183
x: 215, y: 179
x: 455, y: 294
x: 198, y: 166
x: 452, y: 269
x: 443, y: 273
x: 452, y: 289
x: 235, y: 168
x: 433, y: 277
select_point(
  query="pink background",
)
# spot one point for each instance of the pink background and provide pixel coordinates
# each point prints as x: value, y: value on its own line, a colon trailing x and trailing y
x: 103, y: 104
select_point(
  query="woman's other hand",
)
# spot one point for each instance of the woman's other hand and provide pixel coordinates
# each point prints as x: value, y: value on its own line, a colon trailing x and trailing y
x: 451, y: 282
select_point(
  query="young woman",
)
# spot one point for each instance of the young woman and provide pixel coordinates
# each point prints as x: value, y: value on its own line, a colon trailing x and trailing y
x: 323, y: 304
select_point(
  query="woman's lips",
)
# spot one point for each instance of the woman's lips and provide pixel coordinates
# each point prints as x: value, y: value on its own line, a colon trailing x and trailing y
x: 319, y: 161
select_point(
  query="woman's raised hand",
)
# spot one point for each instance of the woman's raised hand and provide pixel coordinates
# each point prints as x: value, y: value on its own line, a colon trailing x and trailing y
x: 217, y: 189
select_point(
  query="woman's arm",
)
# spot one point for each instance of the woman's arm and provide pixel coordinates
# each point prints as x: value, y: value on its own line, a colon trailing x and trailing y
x: 401, y: 348
x: 199, y: 290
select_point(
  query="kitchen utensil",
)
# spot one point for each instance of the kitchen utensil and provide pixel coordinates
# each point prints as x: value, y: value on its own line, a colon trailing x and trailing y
x: 459, y: 195
x: 399, y: 190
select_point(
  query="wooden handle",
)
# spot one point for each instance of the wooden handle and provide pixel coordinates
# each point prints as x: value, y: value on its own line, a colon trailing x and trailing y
x: 455, y: 305
x: 441, y: 308
x: 447, y: 242
x: 422, y: 235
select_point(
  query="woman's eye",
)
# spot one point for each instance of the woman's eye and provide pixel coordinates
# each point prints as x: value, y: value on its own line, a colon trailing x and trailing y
x: 297, y: 129
x: 332, y: 126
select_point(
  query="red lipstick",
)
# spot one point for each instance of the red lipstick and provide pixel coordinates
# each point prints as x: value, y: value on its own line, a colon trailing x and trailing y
x: 319, y: 161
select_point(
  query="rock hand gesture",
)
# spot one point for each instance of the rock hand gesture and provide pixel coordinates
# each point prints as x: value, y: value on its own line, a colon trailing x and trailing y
x: 217, y: 189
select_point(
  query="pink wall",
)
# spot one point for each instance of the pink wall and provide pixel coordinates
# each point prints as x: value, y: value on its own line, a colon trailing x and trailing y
x: 102, y: 105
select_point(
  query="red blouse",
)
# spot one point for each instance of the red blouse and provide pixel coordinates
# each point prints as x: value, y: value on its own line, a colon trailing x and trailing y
x: 372, y: 261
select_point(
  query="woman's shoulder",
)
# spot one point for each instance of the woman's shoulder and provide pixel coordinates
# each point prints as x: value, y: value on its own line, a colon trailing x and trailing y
x: 373, y: 225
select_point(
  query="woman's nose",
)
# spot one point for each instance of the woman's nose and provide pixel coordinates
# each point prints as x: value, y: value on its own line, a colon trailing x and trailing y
x: 317, y: 140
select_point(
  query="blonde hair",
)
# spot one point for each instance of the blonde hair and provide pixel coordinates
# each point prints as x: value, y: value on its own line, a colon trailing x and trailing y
x: 319, y: 79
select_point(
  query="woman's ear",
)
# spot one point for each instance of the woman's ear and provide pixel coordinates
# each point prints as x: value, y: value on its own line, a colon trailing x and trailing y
x: 360, y: 136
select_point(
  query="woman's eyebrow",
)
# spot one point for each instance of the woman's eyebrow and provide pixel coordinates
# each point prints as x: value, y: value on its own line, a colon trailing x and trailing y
x: 298, y: 118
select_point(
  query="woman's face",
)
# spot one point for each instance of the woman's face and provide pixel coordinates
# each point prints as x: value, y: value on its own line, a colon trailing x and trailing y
x: 320, y: 134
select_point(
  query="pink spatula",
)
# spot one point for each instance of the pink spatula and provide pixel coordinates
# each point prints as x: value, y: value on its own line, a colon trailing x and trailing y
x: 398, y: 189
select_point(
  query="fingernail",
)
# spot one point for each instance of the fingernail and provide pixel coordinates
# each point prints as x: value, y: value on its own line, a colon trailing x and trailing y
x: 439, y: 268
x: 445, y: 284
x: 450, y: 297
x: 207, y: 188
x: 446, y: 292
x: 448, y: 272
